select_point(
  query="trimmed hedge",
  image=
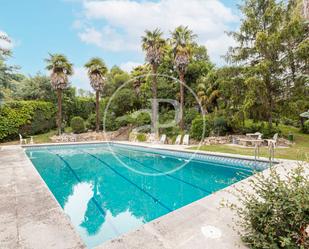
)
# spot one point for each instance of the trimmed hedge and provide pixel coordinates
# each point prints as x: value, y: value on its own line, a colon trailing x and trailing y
x: 78, y: 125
x: 26, y: 117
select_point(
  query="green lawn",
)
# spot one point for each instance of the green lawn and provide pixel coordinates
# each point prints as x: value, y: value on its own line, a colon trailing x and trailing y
x: 41, y: 138
x: 298, y: 151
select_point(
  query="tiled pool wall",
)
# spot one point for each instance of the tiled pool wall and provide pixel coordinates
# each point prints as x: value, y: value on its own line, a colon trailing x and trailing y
x: 235, y: 162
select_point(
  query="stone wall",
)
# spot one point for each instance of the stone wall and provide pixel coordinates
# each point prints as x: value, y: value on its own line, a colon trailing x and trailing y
x: 121, y: 134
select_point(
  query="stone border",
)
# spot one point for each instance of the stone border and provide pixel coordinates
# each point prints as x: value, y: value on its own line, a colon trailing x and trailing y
x: 30, y: 216
x: 27, y: 221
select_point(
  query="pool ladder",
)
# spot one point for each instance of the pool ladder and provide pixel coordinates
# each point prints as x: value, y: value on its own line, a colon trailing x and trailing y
x: 271, y: 150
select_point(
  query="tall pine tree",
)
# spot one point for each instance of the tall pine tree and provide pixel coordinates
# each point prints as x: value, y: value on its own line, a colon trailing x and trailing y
x: 259, y: 49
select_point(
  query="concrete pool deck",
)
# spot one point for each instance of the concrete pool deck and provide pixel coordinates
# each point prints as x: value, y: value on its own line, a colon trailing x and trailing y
x: 30, y: 216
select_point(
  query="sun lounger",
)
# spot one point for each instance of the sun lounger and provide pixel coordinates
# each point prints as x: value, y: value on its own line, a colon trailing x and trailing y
x: 185, y: 140
x: 163, y: 139
x: 178, y: 140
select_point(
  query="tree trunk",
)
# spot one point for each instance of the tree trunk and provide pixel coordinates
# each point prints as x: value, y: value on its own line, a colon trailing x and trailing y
x: 97, y: 111
x: 154, y: 103
x: 59, y: 115
x: 271, y: 107
x: 182, y: 100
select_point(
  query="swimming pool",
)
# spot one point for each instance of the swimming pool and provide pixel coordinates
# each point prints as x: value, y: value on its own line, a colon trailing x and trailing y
x: 110, y: 189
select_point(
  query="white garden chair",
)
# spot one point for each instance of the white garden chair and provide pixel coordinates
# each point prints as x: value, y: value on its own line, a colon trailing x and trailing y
x: 185, y: 140
x: 22, y: 140
x: 273, y: 141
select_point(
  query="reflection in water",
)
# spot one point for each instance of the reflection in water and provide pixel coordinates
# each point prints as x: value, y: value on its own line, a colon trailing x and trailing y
x: 104, y: 199
x: 77, y: 202
x: 85, y: 215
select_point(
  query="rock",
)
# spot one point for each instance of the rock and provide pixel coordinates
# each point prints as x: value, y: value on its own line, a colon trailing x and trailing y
x: 217, y: 140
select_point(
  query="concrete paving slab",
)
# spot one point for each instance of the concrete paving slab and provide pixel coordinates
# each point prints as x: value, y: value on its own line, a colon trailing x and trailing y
x: 34, y: 203
x: 48, y: 230
x: 9, y: 235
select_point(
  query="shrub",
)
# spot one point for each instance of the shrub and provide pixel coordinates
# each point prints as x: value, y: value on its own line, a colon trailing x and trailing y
x: 220, y: 126
x: 275, y: 215
x: 263, y: 128
x: 78, y: 125
x: 82, y: 107
x: 270, y: 132
x: 91, y: 122
x: 171, y: 132
x: 290, y: 122
x: 306, y: 127
x: 26, y: 117
x: 141, y: 119
x: 196, y: 130
x: 124, y: 120
x: 110, y: 122
x: 190, y: 114
x: 141, y: 137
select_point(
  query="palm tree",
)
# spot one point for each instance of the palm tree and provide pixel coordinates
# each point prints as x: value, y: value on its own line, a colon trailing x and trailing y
x: 153, y: 44
x: 182, y: 41
x: 138, y: 73
x: 97, y: 71
x: 60, y: 69
x: 208, y: 97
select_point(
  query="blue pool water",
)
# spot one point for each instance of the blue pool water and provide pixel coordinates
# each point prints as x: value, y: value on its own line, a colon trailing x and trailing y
x: 107, y: 194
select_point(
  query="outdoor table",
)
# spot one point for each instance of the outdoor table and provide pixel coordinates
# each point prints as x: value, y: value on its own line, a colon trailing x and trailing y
x: 253, y: 135
x: 252, y: 141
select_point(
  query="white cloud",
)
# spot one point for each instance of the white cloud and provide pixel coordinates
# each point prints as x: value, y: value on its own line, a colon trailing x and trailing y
x: 123, y: 22
x: 80, y: 78
x: 6, y: 44
x: 129, y: 65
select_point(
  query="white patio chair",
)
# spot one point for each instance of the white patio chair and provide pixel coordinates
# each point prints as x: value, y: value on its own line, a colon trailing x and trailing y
x: 185, y: 140
x: 273, y: 140
x: 178, y: 140
x: 22, y: 140
x: 163, y: 139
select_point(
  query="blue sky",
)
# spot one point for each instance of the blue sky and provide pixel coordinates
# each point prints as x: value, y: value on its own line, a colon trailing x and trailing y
x: 109, y: 29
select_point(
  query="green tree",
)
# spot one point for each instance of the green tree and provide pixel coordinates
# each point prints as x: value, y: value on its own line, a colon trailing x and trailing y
x: 8, y: 74
x: 259, y: 51
x: 36, y: 87
x: 208, y: 92
x: 97, y: 74
x: 153, y: 44
x: 60, y: 69
x: 182, y: 43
